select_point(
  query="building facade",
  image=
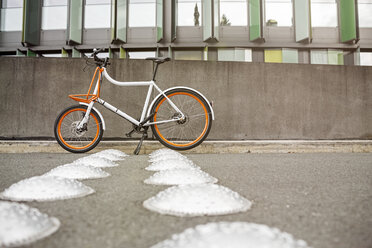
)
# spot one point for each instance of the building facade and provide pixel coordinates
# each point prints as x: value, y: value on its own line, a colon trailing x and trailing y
x: 282, y: 31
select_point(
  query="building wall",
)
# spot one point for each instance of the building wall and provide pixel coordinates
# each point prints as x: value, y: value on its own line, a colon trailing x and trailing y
x: 251, y: 100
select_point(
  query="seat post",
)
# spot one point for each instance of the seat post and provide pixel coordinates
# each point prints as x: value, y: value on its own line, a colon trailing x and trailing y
x: 156, y: 69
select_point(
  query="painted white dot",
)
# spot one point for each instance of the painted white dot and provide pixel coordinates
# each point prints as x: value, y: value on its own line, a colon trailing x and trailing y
x: 22, y: 225
x: 171, y: 164
x: 162, y: 152
x: 77, y: 171
x: 115, y: 152
x: 96, y: 162
x: 46, y: 188
x: 108, y: 156
x: 168, y: 157
x: 232, y: 235
x: 197, y: 200
x: 180, y: 177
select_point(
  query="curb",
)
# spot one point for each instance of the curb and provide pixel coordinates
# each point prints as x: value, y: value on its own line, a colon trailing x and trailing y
x: 214, y: 147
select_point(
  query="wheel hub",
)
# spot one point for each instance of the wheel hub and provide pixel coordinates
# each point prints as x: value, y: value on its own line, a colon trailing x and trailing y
x: 76, y: 131
x: 181, y: 120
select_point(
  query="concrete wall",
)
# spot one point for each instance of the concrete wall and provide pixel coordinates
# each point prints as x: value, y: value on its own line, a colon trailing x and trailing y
x: 251, y: 100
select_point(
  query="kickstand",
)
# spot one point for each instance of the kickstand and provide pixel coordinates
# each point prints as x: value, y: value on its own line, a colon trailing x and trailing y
x: 136, y: 152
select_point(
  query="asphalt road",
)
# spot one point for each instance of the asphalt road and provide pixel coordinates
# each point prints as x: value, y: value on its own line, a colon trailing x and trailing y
x: 324, y: 199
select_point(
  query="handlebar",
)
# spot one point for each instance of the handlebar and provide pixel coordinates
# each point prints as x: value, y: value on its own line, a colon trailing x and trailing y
x: 98, y: 61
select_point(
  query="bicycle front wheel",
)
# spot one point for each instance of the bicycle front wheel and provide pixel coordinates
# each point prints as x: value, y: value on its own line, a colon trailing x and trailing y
x: 182, y: 134
x: 77, y: 140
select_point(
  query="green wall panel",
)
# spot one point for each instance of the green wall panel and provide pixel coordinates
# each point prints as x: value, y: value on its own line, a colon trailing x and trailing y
x: 159, y: 20
x: 31, y: 22
x: 348, y: 26
x: 30, y: 53
x: 119, y: 20
x: 64, y: 53
x: 255, y: 20
x: 123, y: 53
x: 75, y: 32
x: 302, y: 20
x: 174, y: 20
x: 76, y: 53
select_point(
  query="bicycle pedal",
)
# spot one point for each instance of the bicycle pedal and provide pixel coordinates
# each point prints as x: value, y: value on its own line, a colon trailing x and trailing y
x: 129, y: 135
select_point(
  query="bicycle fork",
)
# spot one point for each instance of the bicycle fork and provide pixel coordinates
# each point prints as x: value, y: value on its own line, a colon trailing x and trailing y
x: 85, y: 119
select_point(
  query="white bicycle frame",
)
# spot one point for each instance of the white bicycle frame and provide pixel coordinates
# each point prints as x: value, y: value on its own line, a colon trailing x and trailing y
x: 145, y: 109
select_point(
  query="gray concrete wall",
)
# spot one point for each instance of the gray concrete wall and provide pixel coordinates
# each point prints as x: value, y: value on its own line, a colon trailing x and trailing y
x: 251, y: 100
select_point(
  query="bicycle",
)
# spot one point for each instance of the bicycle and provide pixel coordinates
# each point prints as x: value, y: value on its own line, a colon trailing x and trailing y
x: 179, y: 117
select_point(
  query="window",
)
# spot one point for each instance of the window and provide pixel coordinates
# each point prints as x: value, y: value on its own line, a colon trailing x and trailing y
x: 189, y: 13
x: 233, y: 13
x: 97, y: 14
x: 188, y: 55
x: 142, y: 13
x: 54, y: 14
x: 52, y: 55
x: 279, y: 13
x: 285, y: 55
x: 141, y: 55
x: 366, y: 59
x: 331, y: 57
x: 324, y: 13
x: 102, y: 55
x: 273, y: 56
x: 365, y: 10
x: 235, y: 54
x: 11, y: 15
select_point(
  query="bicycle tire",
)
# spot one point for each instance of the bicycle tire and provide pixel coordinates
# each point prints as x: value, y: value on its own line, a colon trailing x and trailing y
x: 187, y: 134
x: 69, y: 138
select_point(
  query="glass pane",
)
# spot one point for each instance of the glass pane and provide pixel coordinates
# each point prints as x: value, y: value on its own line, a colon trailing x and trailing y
x: 97, y: 16
x: 57, y: 55
x: 207, y: 19
x: 99, y: 55
x: 54, y: 3
x: 278, y: 13
x: 335, y: 57
x: 319, y: 57
x: 226, y: 54
x: 366, y: 59
x: 290, y: 55
x: 12, y: 4
x: 188, y: 55
x: 365, y: 16
x: 121, y: 20
x: 76, y: 21
x: 235, y: 54
x: 142, y: 13
x: 189, y: 13
x: 159, y: 20
x: 233, y: 12
x: 11, y: 19
x: 324, y: 13
x: 54, y: 18
x: 273, y: 56
x: 141, y: 55
x: 302, y: 19
x: 89, y: 2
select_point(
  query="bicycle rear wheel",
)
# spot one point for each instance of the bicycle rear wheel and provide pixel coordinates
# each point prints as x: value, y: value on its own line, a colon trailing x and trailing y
x: 183, y: 134
x: 72, y: 139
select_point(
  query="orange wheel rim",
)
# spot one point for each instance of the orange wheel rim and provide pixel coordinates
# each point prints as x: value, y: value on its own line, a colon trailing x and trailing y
x: 62, y: 139
x: 205, y: 126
